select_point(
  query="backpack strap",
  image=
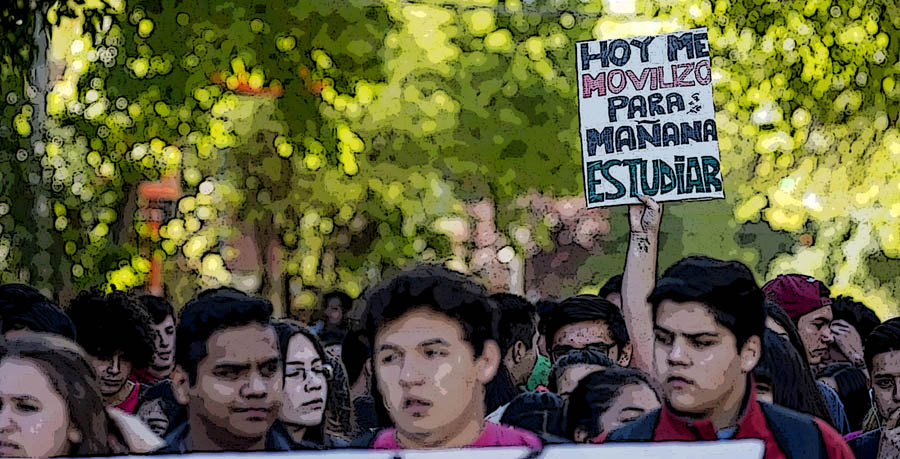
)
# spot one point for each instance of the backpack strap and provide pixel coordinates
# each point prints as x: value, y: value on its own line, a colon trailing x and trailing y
x: 641, y: 429
x: 797, y: 434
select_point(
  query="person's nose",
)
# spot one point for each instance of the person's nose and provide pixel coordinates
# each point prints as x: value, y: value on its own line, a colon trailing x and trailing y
x: 896, y: 392
x: 114, y: 365
x: 313, y: 382
x: 411, y: 372
x: 7, y: 424
x: 256, y: 386
x: 678, y: 353
x: 827, y: 337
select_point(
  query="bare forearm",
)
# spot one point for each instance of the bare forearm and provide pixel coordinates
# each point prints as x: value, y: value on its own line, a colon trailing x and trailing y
x: 637, y: 283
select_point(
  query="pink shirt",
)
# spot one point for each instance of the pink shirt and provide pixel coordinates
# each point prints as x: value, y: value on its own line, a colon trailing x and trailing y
x: 129, y: 405
x: 493, y: 435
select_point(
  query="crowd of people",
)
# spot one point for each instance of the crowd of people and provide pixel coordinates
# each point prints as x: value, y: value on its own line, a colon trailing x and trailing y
x: 701, y: 352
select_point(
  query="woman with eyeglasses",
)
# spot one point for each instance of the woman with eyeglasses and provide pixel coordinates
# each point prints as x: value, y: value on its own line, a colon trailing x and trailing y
x: 307, y: 377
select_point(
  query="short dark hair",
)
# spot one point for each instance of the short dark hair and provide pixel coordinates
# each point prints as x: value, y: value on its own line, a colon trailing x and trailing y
x: 157, y: 307
x: 23, y: 306
x: 344, y: 300
x: 355, y: 350
x: 211, y: 311
x: 855, y: 313
x: 613, y: 285
x: 884, y: 338
x: 583, y: 308
x: 519, y: 319
x: 596, y: 393
x: 440, y: 289
x: 538, y: 412
x: 793, y: 386
x: 544, y: 308
x: 727, y: 288
x: 573, y: 358
x: 107, y: 323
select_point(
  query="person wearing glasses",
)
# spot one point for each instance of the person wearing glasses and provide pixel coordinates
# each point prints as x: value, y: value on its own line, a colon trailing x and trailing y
x: 588, y: 322
x: 308, y: 392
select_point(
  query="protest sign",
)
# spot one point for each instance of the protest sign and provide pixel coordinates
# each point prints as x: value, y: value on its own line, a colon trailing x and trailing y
x: 647, y: 119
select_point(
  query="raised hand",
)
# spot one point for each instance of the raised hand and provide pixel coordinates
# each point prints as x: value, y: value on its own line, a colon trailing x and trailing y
x: 848, y: 341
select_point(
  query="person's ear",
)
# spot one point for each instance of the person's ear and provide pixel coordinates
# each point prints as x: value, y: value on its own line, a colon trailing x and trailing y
x: 488, y: 363
x: 74, y: 435
x: 625, y: 355
x: 519, y: 351
x: 581, y: 435
x: 750, y: 354
x: 180, y: 385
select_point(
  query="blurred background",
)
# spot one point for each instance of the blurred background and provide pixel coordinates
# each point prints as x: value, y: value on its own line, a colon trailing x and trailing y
x: 290, y: 148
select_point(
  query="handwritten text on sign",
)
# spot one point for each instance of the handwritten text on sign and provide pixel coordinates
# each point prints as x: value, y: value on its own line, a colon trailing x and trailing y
x: 647, y: 119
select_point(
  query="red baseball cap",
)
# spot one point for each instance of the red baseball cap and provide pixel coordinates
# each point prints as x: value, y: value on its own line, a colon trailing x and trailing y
x: 798, y: 295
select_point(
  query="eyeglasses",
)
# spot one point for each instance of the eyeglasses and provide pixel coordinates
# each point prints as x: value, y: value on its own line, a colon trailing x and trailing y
x: 559, y: 352
x: 325, y: 371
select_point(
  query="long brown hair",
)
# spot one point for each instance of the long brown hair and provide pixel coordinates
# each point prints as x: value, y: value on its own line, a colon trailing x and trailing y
x: 66, y: 367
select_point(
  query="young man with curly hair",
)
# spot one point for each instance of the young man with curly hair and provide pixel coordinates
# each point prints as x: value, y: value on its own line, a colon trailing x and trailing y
x: 114, y: 330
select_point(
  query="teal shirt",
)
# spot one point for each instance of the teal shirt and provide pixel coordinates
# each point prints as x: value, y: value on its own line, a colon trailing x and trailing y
x: 540, y: 374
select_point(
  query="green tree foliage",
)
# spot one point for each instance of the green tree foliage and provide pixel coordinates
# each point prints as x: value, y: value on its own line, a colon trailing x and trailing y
x: 347, y: 134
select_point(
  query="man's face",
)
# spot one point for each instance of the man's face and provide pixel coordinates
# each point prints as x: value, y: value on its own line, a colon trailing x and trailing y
x: 697, y: 361
x: 815, y: 332
x: 112, y: 373
x: 591, y: 334
x: 428, y: 374
x: 164, y: 339
x: 239, y: 383
x: 154, y: 416
x: 886, y: 383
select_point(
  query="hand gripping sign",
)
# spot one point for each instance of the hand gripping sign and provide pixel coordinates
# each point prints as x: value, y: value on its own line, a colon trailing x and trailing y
x: 647, y: 119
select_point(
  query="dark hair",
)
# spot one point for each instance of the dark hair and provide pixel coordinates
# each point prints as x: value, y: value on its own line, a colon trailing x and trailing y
x: 596, y: 393
x: 613, y: 285
x: 440, y: 289
x: 782, y: 318
x: 519, y: 319
x: 344, y: 300
x: 23, y: 306
x: 330, y: 337
x: 792, y: 384
x: 853, y: 390
x: 884, y: 338
x: 855, y: 313
x: 110, y: 323
x: 573, y: 358
x: 66, y: 367
x: 538, y: 412
x: 355, y: 351
x: 583, y: 308
x: 211, y: 311
x: 340, y: 418
x: 544, y: 308
x: 500, y: 391
x: 727, y: 288
x: 157, y: 307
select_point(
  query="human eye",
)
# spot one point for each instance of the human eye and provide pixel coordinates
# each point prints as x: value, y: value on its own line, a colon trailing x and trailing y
x: 663, y: 337
x: 269, y: 369
x: 432, y: 353
x: 388, y: 358
x: 323, y: 371
x: 884, y: 383
x: 27, y: 407
x: 226, y: 373
x: 703, y: 343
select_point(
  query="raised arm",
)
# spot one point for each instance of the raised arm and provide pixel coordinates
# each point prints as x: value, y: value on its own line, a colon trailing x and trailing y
x: 639, y: 279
